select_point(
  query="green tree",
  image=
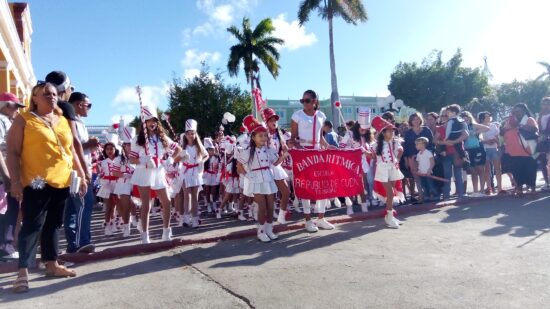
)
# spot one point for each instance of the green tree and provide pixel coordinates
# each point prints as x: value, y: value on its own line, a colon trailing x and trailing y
x: 433, y: 84
x: 254, y: 45
x: 352, y: 12
x: 489, y: 103
x: 529, y: 92
x: 546, y: 74
x: 206, y: 98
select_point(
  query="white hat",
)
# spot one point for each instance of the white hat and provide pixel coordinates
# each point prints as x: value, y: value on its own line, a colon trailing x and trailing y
x: 208, y: 143
x: 364, y: 117
x: 112, y: 138
x: 128, y: 133
x: 190, y: 125
x: 149, y: 112
x: 243, y: 140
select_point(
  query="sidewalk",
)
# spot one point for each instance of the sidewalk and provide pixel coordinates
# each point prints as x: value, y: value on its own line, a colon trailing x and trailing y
x: 227, y: 228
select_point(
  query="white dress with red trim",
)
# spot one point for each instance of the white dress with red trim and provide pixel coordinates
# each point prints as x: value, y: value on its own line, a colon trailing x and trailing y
x: 309, y: 128
x: 260, y: 175
x: 123, y: 185
x: 279, y: 172
x: 212, y: 175
x: 174, y: 177
x: 287, y: 165
x: 192, y: 168
x: 107, y: 179
x: 229, y: 179
x: 387, y: 169
x: 153, y: 177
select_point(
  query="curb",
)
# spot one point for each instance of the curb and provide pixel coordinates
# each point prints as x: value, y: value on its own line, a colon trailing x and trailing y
x: 125, y: 251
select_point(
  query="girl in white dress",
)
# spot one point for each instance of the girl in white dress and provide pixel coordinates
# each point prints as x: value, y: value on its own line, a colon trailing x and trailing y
x: 193, y: 166
x: 148, y: 150
x: 107, y: 182
x: 229, y: 176
x: 211, y: 175
x: 123, y: 188
x: 259, y: 160
x: 277, y: 142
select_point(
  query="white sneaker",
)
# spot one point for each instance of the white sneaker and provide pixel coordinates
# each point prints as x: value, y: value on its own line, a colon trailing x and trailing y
x: 231, y: 208
x: 209, y: 208
x: 296, y: 205
x: 262, y: 236
x: 365, y: 207
x: 337, y: 203
x: 108, y: 229
x: 269, y: 231
x: 349, y: 210
x: 166, y: 234
x: 145, y: 238
x: 138, y: 227
x: 390, y: 220
x: 324, y: 224
x: 196, y: 222
x: 218, y: 213
x: 126, y: 230
x: 311, y: 227
x: 348, y: 201
x: 281, y: 217
x: 10, y: 252
x: 241, y: 216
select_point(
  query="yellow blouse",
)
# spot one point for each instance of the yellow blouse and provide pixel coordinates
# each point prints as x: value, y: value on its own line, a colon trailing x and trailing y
x: 41, y: 155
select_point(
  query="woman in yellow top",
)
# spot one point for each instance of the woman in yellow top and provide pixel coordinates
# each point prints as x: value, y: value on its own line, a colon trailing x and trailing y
x: 40, y: 161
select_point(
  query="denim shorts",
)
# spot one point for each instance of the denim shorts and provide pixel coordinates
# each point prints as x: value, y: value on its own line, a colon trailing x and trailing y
x: 492, y: 154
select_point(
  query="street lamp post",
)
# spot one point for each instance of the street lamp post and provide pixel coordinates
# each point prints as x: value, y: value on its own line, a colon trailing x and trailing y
x: 390, y: 104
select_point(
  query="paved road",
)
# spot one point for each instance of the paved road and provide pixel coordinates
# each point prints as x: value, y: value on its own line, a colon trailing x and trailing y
x: 471, y: 256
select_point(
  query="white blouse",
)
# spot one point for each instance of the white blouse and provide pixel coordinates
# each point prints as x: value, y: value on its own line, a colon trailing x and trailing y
x: 155, y: 148
x: 259, y: 167
x: 306, y: 126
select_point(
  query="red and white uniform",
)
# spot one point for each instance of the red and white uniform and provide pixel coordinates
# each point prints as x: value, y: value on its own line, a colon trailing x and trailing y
x: 212, y: 175
x: 192, y: 167
x: 123, y: 185
x: 174, y: 177
x: 153, y: 177
x: 387, y: 169
x: 107, y: 179
x: 279, y: 172
x: 230, y: 180
x: 259, y: 167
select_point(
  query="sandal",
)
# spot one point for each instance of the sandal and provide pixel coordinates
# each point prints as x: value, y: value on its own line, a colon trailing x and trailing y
x: 61, y: 272
x: 21, y: 285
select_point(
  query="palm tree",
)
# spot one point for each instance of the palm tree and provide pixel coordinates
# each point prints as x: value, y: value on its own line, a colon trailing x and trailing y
x: 254, y: 45
x: 351, y: 11
x: 545, y: 75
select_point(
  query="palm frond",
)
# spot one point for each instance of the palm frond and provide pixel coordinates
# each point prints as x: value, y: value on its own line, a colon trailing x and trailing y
x: 306, y: 8
x: 263, y: 29
x: 351, y: 11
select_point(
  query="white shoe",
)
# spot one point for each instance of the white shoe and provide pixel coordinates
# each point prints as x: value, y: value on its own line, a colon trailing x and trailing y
x: 196, y: 222
x: 311, y: 227
x: 269, y: 231
x: 10, y: 252
x: 365, y: 207
x: 348, y: 201
x: 262, y: 236
x: 187, y: 220
x: 125, y: 230
x: 281, y: 217
x: 166, y: 234
x: 231, y: 208
x: 108, y: 229
x: 241, y: 216
x: 337, y: 203
x: 209, y: 208
x: 390, y: 220
x: 296, y: 205
x: 218, y: 213
x: 324, y: 224
x: 328, y: 205
x: 145, y: 238
x: 134, y: 220
x: 349, y: 210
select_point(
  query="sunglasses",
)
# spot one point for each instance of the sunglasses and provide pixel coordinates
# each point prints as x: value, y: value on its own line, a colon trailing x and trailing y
x: 88, y: 106
x: 307, y: 101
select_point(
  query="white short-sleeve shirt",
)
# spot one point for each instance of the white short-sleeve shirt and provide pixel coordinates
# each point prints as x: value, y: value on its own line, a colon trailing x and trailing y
x: 306, y: 124
x: 491, y: 134
x: 424, y: 158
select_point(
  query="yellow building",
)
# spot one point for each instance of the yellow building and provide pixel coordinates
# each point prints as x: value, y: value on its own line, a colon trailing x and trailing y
x: 16, y: 72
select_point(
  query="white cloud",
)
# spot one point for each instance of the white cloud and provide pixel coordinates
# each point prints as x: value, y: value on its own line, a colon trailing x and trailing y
x: 126, y: 99
x: 294, y: 35
x: 190, y: 73
x: 192, y: 62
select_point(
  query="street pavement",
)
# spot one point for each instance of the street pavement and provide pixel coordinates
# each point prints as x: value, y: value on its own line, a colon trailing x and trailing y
x: 492, y: 253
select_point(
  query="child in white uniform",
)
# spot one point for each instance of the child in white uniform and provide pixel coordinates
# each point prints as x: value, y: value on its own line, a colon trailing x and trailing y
x: 212, y: 174
x: 147, y: 152
x: 123, y: 188
x: 107, y: 182
x: 259, y: 160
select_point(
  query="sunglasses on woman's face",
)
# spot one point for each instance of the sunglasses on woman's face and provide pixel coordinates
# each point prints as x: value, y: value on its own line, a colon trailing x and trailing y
x: 307, y: 101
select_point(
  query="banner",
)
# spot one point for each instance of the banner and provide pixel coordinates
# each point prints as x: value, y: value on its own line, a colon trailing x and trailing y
x: 326, y: 174
x: 260, y: 102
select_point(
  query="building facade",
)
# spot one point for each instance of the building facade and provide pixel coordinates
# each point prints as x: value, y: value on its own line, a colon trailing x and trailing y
x: 16, y: 71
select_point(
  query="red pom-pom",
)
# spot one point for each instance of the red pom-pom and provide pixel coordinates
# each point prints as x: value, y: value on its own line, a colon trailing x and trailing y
x: 337, y: 104
x: 115, y: 126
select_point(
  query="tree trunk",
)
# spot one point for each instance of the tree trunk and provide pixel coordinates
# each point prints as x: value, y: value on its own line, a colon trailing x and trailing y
x: 333, y: 82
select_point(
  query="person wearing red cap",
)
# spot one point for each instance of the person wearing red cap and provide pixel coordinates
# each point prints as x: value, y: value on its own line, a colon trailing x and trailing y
x: 277, y: 142
x: 387, y: 177
x: 259, y: 159
x: 9, y: 108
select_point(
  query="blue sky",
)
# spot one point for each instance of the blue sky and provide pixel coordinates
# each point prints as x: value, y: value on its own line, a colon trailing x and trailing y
x: 108, y: 47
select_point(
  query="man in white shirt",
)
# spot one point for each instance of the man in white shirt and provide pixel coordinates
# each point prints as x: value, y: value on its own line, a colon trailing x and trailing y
x: 9, y: 106
x: 78, y: 211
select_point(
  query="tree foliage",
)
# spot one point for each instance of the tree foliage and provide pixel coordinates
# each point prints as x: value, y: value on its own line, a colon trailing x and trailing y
x: 351, y: 11
x: 433, y: 84
x: 206, y: 98
x: 529, y: 92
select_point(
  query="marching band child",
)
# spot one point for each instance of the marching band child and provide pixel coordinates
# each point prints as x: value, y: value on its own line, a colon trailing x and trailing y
x: 123, y: 188
x: 147, y: 151
x: 387, y: 177
x: 108, y: 180
x: 211, y: 176
x: 193, y: 166
x: 229, y: 176
x: 259, y: 160
x: 277, y: 142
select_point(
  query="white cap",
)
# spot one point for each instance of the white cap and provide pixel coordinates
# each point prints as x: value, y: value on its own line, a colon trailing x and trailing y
x: 128, y: 133
x: 190, y: 125
x: 112, y: 138
x: 149, y: 112
x: 364, y: 117
x: 243, y: 140
x: 208, y: 143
